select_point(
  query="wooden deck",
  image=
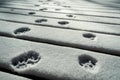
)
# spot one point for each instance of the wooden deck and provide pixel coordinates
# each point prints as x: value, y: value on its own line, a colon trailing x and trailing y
x: 59, y: 40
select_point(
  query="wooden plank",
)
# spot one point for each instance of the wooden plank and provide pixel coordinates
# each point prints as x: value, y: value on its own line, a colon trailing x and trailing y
x: 60, y: 23
x: 7, y: 76
x: 57, y: 63
x: 70, y: 38
x: 87, y: 18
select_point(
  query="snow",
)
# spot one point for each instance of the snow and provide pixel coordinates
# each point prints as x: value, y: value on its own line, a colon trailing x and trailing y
x: 59, y: 40
x: 71, y: 38
x: 58, y: 62
x: 8, y: 76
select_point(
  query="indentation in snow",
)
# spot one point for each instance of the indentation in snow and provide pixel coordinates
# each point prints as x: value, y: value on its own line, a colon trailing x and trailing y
x: 25, y: 60
x: 43, y: 9
x: 69, y: 15
x: 63, y: 22
x: 89, y: 35
x: 88, y: 63
x: 21, y: 30
x: 31, y: 13
x: 40, y: 20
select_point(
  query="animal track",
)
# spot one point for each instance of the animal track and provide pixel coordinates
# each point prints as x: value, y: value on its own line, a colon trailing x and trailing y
x: 21, y: 30
x: 89, y: 35
x: 43, y: 9
x: 67, y: 6
x: 40, y: 20
x: 26, y: 59
x: 69, y: 15
x: 63, y: 22
x: 57, y: 9
x: 87, y: 62
x: 31, y: 13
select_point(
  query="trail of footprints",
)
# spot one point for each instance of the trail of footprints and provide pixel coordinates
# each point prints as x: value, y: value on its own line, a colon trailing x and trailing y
x: 85, y: 61
x: 30, y: 58
x: 25, y: 60
x: 27, y: 29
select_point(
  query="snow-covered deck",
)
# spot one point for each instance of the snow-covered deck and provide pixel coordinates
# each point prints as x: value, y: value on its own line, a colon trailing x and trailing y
x: 59, y: 40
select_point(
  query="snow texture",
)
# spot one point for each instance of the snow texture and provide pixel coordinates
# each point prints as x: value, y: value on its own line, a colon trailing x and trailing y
x: 71, y: 38
x: 59, y: 39
x: 8, y: 76
x: 56, y: 62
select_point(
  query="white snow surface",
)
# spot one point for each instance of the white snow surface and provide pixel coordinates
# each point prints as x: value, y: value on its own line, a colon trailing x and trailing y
x: 58, y: 63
